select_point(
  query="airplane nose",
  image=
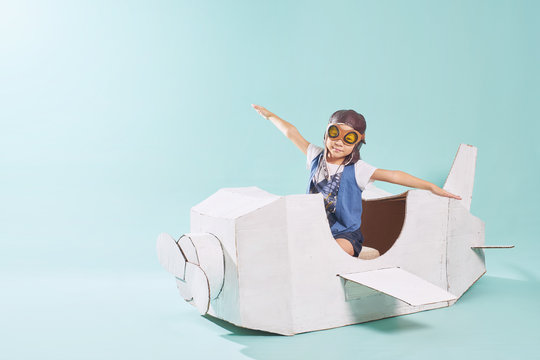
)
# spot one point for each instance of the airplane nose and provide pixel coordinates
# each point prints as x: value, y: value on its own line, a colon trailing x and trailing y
x: 197, y: 262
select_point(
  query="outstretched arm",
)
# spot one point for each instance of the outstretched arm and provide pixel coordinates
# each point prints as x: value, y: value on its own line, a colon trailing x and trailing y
x: 402, y: 178
x: 286, y: 128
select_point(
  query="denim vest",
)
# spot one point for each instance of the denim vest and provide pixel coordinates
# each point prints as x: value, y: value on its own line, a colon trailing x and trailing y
x: 349, y: 199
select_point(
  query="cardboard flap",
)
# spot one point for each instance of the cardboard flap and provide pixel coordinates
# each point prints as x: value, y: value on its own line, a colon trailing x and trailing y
x: 401, y: 285
x: 231, y: 203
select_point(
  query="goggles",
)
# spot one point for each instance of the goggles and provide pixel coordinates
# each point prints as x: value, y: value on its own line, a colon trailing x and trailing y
x: 349, y: 137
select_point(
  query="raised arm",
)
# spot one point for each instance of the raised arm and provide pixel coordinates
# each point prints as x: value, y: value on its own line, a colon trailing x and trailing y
x: 286, y: 128
x: 402, y: 178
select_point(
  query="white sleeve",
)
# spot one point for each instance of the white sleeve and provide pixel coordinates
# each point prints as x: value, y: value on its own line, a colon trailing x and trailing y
x: 312, y: 152
x: 363, y: 172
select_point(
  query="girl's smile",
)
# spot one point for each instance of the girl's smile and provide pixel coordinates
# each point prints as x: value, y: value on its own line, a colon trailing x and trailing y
x: 337, y: 151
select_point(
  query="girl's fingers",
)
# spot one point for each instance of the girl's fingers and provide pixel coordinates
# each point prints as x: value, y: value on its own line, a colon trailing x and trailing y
x: 442, y: 192
x: 260, y: 110
x: 453, y: 196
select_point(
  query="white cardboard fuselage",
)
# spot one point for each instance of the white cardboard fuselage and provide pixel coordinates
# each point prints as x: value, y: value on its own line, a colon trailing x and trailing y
x: 282, y: 263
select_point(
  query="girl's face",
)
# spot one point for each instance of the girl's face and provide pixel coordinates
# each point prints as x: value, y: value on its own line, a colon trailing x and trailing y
x: 339, y: 149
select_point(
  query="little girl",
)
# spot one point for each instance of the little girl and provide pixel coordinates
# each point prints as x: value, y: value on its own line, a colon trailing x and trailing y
x: 340, y: 176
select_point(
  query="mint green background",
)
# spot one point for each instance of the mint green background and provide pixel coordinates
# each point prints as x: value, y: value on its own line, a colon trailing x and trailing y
x: 117, y: 117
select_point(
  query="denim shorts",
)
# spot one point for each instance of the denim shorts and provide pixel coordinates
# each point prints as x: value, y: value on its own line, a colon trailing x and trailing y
x: 356, y: 239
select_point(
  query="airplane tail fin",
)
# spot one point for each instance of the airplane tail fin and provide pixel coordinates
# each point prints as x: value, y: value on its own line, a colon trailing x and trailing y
x: 460, y: 180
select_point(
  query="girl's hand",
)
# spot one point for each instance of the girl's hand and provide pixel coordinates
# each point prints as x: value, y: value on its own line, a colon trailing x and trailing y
x: 264, y: 113
x: 438, y: 191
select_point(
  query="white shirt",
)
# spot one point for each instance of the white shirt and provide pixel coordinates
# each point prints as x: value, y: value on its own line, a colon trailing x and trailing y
x: 362, y: 170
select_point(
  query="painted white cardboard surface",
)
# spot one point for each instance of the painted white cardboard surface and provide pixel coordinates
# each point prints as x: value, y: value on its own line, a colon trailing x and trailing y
x: 402, y: 285
x: 281, y: 263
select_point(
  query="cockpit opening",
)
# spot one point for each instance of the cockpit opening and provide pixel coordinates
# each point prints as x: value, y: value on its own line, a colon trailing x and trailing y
x: 382, y: 221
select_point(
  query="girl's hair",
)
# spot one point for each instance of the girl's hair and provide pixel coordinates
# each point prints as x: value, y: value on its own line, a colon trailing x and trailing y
x: 354, y: 120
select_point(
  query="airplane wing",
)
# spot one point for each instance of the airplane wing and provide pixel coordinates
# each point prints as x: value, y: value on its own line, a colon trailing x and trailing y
x: 397, y: 283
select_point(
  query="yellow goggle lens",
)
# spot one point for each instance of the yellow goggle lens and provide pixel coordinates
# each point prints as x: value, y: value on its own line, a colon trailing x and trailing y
x: 351, y: 138
x: 333, y: 131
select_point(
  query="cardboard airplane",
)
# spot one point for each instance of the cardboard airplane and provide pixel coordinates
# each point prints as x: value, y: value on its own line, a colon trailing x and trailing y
x: 270, y: 263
